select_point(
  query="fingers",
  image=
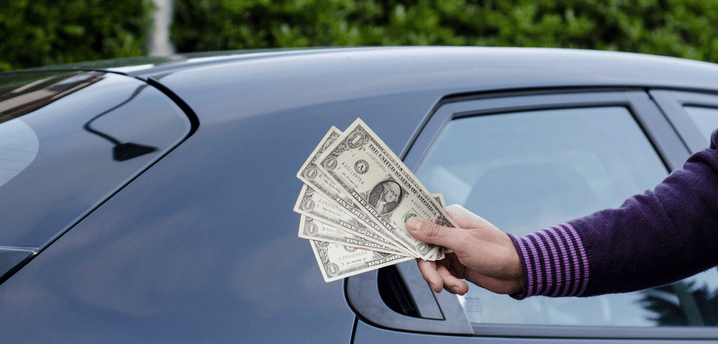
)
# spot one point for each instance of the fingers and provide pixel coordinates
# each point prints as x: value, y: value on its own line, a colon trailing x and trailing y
x: 430, y: 232
x: 451, y: 283
x: 483, y: 254
x: 431, y: 274
x: 440, y: 277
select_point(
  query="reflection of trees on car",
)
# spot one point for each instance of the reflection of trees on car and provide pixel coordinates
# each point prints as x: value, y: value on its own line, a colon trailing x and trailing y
x: 682, y: 304
x: 17, y: 99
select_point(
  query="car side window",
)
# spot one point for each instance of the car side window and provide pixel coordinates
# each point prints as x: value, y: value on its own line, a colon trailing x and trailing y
x: 705, y: 118
x: 67, y: 144
x: 528, y: 170
x: 18, y: 148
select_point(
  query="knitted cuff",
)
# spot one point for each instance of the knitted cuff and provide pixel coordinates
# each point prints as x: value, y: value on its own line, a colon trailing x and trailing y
x: 554, y: 262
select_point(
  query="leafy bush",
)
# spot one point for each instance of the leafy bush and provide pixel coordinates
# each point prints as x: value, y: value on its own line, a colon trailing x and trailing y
x: 683, y: 28
x: 42, y: 32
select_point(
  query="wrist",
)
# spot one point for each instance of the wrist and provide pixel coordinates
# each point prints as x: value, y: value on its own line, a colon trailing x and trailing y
x: 514, y: 268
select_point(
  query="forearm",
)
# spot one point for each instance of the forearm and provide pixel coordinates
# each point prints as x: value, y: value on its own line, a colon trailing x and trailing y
x: 653, y: 239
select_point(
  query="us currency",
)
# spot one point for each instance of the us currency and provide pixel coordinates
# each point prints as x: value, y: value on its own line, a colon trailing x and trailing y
x: 323, y: 226
x: 439, y: 198
x: 316, y: 205
x: 376, y: 179
x: 338, y: 261
x: 313, y: 229
x: 315, y: 178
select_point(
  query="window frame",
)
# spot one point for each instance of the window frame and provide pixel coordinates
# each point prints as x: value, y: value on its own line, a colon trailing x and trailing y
x: 361, y: 290
x: 660, y: 133
x: 672, y: 102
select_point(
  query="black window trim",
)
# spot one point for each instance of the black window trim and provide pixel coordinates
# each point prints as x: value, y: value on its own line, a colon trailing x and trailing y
x: 672, y: 102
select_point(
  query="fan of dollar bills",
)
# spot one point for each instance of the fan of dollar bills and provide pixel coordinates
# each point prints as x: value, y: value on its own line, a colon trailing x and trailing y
x: 356, y: 197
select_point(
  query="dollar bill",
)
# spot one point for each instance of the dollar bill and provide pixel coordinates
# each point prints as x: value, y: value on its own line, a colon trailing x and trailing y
x: 316, y: 205
x: 347, y: 236
x: 338, y: 261
x: 362, y: 166
x: 314, y: 229
x: 315, y: 178
x: 318, y: 228
x: 440, y: 199
x: 312, y: 176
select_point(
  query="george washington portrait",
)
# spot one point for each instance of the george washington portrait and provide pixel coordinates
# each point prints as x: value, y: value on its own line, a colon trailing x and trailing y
x: 385, y: 197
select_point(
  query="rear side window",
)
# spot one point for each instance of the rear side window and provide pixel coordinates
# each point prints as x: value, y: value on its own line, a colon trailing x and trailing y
x: 18, y: 148
x: 68, y: 142
x: 524, y: 171
x: 705, y: 118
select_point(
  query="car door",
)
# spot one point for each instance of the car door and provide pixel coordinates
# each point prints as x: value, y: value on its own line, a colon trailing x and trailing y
x: 526, y: 162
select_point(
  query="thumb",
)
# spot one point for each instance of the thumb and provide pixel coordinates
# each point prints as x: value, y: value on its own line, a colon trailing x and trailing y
x: 429, y: 232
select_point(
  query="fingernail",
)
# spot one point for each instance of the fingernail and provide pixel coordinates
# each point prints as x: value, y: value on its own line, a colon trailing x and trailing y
x: 413, y: 224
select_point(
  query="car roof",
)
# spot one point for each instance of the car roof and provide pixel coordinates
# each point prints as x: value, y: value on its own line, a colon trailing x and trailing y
x: 474, y: 68
x: 254, y: 84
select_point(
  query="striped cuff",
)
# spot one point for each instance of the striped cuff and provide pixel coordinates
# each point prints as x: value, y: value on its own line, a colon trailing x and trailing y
x: 554, y: 262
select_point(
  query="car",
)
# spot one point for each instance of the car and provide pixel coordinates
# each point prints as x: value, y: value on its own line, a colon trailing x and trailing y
x: 153, y: 202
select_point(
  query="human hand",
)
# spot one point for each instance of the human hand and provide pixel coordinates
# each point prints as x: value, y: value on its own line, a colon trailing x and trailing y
x: 483, y: 254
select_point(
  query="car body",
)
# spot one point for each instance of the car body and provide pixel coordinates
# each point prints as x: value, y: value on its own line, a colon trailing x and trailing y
x: 165, y: 213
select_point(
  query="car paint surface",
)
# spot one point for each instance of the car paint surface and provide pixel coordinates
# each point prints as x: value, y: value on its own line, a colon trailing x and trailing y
x: 192, y: 250
x: 203, y: 247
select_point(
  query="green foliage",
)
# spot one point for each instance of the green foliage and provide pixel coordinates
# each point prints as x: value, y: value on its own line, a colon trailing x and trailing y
x: 42, y: 32
x: 683, y: 28
x: 67, y: 31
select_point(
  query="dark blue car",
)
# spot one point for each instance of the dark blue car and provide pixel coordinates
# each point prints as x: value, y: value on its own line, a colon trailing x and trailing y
x: 152, y: 203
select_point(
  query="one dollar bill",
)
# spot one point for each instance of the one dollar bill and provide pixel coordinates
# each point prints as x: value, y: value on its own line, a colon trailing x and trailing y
x: 378, y: 181
x: 319, y: 182
x: 314, y: 229
x: 355, y: 201
x: 338, y: 261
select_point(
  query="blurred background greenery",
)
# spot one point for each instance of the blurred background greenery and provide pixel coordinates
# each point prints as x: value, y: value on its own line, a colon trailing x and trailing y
x: 45, y: 32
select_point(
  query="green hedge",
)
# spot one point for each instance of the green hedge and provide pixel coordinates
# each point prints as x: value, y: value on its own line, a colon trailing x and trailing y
x: 42, y: 32
x: 683, y: 28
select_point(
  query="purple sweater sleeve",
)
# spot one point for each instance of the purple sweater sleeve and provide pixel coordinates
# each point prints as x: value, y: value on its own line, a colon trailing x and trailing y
x: 653, y: 239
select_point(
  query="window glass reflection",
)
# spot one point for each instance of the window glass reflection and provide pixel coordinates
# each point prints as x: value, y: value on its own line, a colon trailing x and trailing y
x: 18, y: 148
x: 86, y: 135
x: 530, y: 170
x: 706, y: 119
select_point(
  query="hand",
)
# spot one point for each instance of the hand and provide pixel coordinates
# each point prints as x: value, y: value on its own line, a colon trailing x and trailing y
x: 483, y: 254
